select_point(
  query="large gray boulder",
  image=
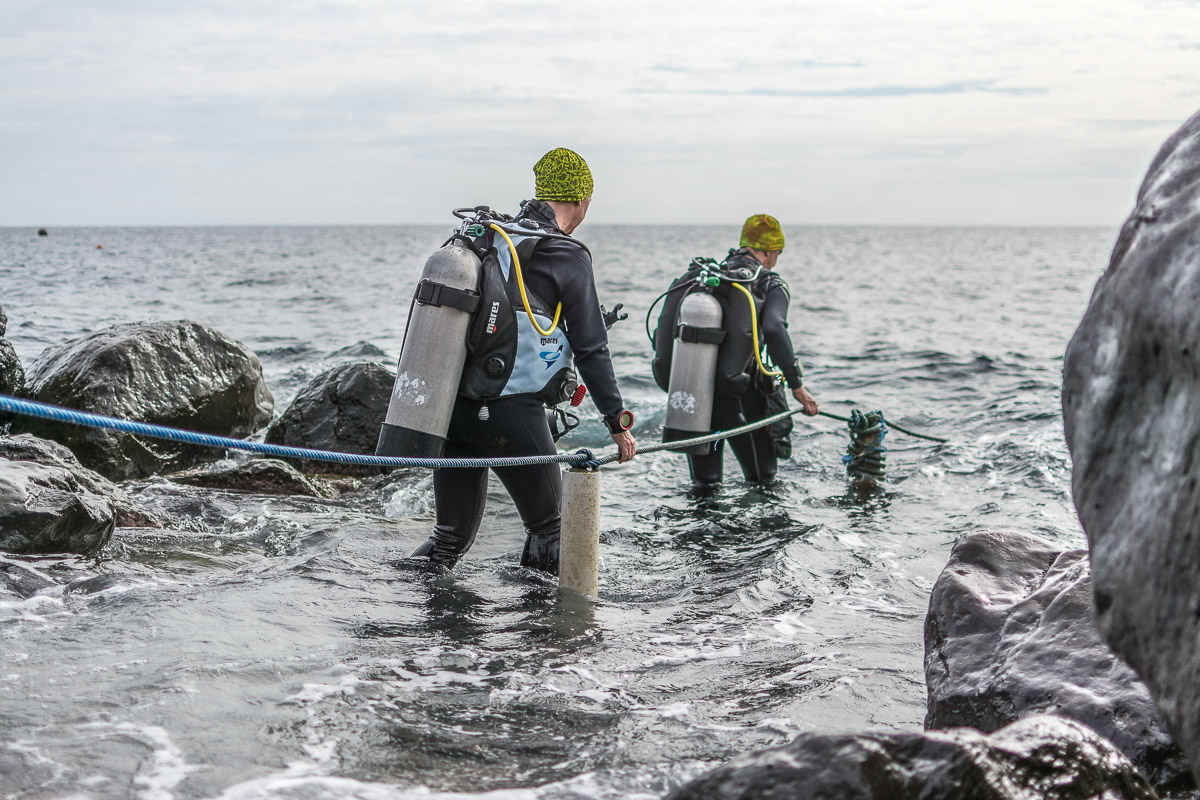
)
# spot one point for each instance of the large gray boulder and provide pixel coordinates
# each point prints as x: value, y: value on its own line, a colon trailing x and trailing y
x: 342, y: 410
x: 179, y: 374
x: 1037, y: 758
x: 1010, y: 634
x: 45, y: 509
x: 25, y: 447
x: 12, y: 375
x: 1131, y: 406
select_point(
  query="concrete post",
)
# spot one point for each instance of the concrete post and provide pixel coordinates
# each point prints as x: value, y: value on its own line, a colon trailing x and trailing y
x: 579, y: 545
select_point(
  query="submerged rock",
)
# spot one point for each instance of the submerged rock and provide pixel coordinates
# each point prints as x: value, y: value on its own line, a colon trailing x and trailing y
x: 1010, y: 633
x: 22, y: 580
x: 1131, y: 390
x: 262, y: 476
x: 25, y: 447
x: 12, y: 375
x: 1037, y: 758
x: 341, y: 410
x: 170, y: 373
x: 45, y: 509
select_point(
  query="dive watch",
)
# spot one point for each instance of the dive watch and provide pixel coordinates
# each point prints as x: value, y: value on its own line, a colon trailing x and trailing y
x: 619, y: 422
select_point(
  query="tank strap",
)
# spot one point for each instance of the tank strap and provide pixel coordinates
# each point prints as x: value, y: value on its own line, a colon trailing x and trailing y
x: 432, y: 293
x: 693, y: 333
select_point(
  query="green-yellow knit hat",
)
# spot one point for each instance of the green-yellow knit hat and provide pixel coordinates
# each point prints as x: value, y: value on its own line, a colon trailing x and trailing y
x: 562, y: 175
x: 762, y: 232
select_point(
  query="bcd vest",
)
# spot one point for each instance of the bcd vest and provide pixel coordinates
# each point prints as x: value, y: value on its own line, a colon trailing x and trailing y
x: 506, y: 355
x: 734, y: 307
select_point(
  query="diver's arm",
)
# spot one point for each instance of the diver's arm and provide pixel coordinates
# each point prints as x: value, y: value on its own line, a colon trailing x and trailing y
x: 775, y: 334
x: 571, y: 272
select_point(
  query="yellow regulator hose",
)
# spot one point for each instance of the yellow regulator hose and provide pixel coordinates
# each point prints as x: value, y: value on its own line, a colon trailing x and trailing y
x: 521, y: 283
x: 754, y: 329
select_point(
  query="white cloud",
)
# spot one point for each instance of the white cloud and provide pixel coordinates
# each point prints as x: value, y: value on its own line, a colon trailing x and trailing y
x: 906, y: 112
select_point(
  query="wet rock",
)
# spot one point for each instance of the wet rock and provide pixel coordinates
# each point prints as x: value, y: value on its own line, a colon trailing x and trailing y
x: 1010, y: 633
x: 341, y: 410
x: 1131, y: 387
x: 263, y: 476
x: 45, y: 509
x: 12, y: 375
x: 25, y: 447
x: 22, y: 580
x: 360, y: 350
x: 179, y: 374
x: 1037, y: 758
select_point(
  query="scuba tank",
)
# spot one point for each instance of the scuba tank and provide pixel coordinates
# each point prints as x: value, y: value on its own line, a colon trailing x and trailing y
x: 694, y: 346
x: 432, y: 356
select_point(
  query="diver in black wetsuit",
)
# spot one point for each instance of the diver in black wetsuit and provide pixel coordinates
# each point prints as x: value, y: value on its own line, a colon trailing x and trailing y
x: 559, y: 270
x: 743, y: 394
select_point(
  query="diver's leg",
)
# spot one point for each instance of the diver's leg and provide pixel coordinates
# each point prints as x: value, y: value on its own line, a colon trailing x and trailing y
x: 459, y: 496
x: 536, y: 490
x: 706, y: 470
x: 754, y: 450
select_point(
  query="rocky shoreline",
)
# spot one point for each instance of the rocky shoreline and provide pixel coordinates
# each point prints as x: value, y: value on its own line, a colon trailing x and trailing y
x: 1025, y: 697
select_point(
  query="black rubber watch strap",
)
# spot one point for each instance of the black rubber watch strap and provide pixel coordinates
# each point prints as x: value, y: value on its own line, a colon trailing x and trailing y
x: 621, y: 421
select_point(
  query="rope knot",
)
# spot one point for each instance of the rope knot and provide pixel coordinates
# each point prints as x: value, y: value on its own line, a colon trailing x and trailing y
x: 865, y: 455
x: 588, y: 459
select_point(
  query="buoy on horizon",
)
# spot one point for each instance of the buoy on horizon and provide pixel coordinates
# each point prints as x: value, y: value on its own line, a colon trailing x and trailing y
x: 42, y: 232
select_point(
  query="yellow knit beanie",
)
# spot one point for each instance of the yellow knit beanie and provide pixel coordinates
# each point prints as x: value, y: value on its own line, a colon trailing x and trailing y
x: 762, y: 232
x: 563, y: 175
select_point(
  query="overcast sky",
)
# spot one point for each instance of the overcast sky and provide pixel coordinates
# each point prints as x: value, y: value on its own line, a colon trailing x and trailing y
x: 159, y: 112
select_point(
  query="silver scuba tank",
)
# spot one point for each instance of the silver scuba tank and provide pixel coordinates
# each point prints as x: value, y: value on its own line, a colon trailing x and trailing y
x: 432, y: 356
x: 698, y: 335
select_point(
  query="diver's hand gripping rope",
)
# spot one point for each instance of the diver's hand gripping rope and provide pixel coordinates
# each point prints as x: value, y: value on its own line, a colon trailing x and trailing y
x: 521, y: 283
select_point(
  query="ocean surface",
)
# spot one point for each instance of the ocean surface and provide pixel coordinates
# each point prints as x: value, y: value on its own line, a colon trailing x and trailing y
x: 271, y: 647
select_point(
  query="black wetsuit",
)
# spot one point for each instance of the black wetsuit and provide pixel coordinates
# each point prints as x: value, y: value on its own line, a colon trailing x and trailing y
x: 558, y: 271
x: 740, y: 394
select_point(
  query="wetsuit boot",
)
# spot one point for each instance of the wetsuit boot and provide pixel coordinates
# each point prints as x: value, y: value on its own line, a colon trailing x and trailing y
x: 541, y: 550
x: 446, y: 546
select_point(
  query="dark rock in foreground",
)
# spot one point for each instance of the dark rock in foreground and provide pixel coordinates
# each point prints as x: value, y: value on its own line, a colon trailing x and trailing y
x: 43, y: 451
x: 169, y: 373
x: 263, y: 476
x: 1037, y: 758
x: 12, y: 375
x: 1131, y: 391
x: 341, y: 410
x: 45, y: 509
x: 1010, y: 633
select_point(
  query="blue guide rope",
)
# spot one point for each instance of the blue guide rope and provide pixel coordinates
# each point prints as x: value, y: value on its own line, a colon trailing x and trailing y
x: 583, y: 458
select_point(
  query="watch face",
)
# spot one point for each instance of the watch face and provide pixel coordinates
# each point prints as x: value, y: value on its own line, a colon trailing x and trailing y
x: 625, y: 420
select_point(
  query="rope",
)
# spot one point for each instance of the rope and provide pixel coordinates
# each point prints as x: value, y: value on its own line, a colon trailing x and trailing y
x: 712, y: 437
x: 30, y: 408
x: 583, y: 458
x: 891, y: 425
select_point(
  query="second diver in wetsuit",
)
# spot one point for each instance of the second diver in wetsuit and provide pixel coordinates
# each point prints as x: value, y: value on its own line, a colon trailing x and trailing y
x: 742, y: 393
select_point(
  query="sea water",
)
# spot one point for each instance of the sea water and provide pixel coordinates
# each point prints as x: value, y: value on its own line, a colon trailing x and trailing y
x: 267, y: 647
